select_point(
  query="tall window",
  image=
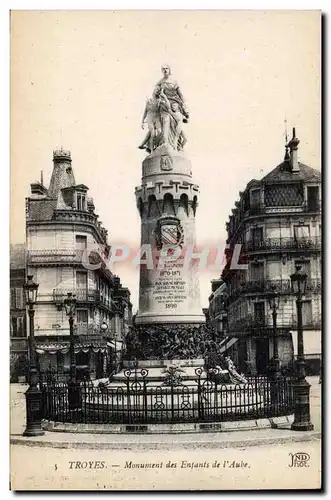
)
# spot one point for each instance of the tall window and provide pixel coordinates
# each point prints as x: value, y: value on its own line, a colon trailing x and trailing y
x: 13, y: 298
x: 312, y: 198
x: 255, y: 197
x: 80, y: 201
x: 81, y: 285
x: 259, y: 312
x: 257, y: 271
x: 16, y: 298
x: 301, y: 233
x: 82, y: 316
x: 17, y: 327
x: 81, y: 280
x: 81, y: 242
x: 257, y: 237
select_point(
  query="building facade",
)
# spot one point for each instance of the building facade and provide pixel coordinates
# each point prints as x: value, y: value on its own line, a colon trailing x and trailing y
x: 67, y: 252
x: 277, y: 222
x: 18, y: 329
x: 217, y: 311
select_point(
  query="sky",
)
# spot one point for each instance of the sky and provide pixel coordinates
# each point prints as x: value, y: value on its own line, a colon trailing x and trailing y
x: 80, y: 79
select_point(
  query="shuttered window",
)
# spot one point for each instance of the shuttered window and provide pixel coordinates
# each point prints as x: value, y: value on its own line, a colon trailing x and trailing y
x: 16, y: 298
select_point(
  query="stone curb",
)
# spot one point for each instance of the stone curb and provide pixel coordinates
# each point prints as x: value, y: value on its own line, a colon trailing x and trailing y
x: 180, y: 428
x: 138, y: 445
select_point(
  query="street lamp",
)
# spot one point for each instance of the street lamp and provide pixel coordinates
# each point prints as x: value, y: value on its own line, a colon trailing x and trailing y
x: 70, y: 308
x: 73, y: 387
x: 274, y: 300
x: 33, y: 394
x: 301, y: 386
x: 114, y: 359
x: 104, y: 328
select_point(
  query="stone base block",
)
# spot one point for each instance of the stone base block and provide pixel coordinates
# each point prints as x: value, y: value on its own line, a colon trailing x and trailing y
x: 151, y: 318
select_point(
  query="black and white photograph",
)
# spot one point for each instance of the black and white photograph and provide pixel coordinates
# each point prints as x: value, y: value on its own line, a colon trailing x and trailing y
x: 165, y: 250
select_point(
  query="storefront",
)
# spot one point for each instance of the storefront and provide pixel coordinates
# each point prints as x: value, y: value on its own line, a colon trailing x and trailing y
x: 92, y: 361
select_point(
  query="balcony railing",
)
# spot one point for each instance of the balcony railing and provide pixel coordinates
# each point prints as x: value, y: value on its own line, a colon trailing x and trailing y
x: 277, y: 286
x: 87, y: 256
x: 89, y: 332
x: 82, y: 295
x: 263, y: 322
x: 44, y: 256
x: 259, y: 209
x: 290, y: 243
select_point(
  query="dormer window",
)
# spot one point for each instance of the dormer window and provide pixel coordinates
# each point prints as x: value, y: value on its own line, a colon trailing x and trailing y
x: 313, y: 198
x: 255, y: 197
x: 81, y: 201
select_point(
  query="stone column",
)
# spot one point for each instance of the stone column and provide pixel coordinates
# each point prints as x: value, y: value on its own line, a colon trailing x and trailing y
x: 167, y: 202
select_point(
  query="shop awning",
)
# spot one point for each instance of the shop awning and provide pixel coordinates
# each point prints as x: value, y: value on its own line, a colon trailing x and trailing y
x: 312, y: 342
x: 55, y: 347
x: 228, y: 343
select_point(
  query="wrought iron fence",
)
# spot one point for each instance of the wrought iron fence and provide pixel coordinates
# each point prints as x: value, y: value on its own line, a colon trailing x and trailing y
x: 137, y: 401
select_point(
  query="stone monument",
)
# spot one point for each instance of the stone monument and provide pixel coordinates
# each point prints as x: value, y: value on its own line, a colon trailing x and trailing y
x: 170, y: 324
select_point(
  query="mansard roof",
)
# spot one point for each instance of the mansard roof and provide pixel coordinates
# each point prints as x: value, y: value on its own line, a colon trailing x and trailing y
x: 283, y: 173
x: 41, y: 210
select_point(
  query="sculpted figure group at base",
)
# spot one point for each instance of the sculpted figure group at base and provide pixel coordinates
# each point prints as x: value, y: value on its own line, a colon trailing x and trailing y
x: 165, y: 112
x: 169, y: 342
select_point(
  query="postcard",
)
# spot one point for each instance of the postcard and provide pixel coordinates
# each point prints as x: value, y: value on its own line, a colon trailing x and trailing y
x: 166, y: 249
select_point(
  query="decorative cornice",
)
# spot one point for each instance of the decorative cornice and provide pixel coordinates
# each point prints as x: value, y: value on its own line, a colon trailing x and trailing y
x: 61, y: 155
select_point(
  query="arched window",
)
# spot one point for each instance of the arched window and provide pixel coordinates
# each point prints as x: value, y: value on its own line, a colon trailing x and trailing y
x: 153, y: 208
x: 168, y: 205
x: 183, y: 202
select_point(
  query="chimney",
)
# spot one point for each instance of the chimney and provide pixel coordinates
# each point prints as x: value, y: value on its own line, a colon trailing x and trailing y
x: 37, y: 189
x: 293, y: 145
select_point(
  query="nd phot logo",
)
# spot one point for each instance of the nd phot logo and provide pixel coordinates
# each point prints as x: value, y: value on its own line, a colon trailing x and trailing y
x: 299, y: 459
